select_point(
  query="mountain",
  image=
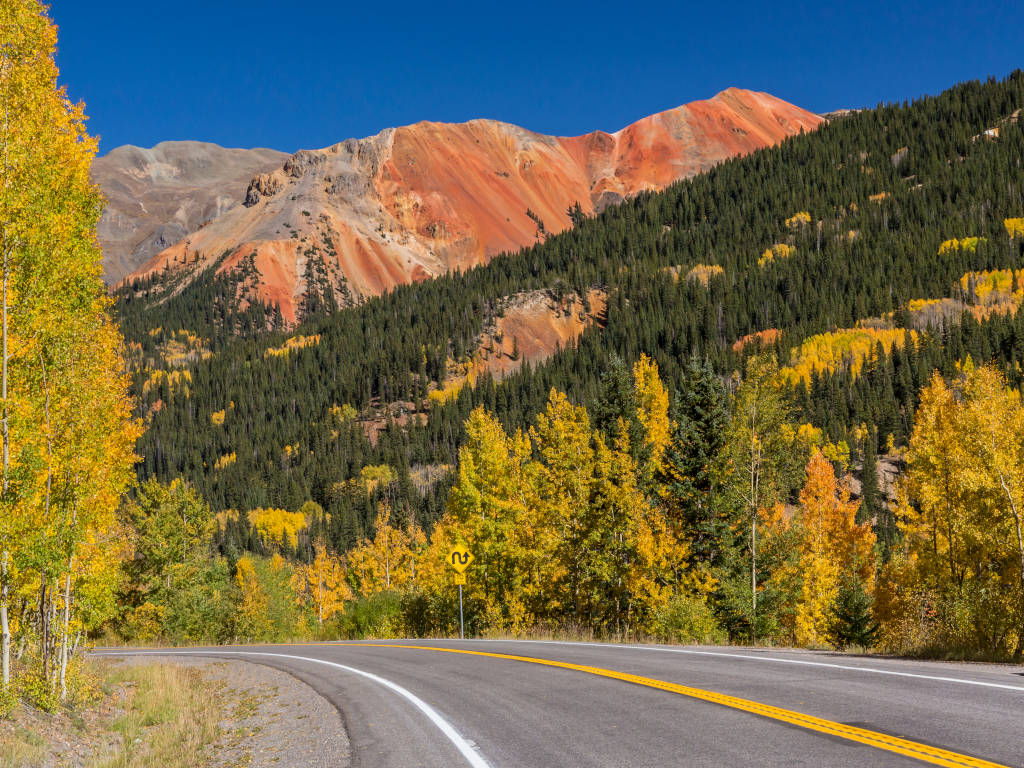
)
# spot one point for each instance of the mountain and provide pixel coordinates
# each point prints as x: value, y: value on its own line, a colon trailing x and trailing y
x: 157, y: 196
x: 418, y: 201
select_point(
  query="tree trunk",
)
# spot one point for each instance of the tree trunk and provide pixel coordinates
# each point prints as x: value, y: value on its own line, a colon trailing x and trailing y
x: 1019, y: 650
x: 4, y: 422
x: 44, y: 627
x: 5, y: 626
x: 67, y: 632
x: 64, y: 655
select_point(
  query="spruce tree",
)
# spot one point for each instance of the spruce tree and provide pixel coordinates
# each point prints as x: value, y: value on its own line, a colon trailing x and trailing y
x: 869, y: 502
x: 700, y: 417
x: 853, y: 624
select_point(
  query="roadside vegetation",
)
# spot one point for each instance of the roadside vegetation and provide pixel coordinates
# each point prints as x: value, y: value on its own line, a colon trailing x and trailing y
x: 123, y: 716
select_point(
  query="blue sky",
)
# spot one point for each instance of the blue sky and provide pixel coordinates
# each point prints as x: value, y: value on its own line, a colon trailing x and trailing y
x: 306, y: 74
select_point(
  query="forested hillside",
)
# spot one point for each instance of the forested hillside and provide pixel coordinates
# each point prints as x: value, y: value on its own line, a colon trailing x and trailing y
x: 852, y: 217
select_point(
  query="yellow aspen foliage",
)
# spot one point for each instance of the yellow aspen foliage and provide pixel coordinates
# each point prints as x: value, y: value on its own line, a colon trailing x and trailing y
x: 799, y: 219
x: 777, y: 251
x: 225, y: 461
x: 703, y: 273
x: 294, y: 344
x: 963, y: 565
x: 277, y: 527
x: 652, y: 407
x: 217, y: 418
x: 847, y: 348
x: 1014, y: 226
x: 493, y: 510
x: 832, y: 545
x: 388, y: 560
x: 322, y: 585
x: 251, y: 619
x: 343, y: 413
x: 375, y: 475
x: 993, y: 286
x: 67, y: 434
x: 879, y: 197
x: 968, y: 244
x: 919, y: 305
x: 174, y: 381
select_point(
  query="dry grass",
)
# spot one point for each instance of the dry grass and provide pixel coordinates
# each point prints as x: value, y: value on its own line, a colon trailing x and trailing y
x: 23, y: 749
x: 171, y: 717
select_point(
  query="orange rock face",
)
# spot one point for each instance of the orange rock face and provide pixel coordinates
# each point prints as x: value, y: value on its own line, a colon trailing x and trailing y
x: 417, y: 201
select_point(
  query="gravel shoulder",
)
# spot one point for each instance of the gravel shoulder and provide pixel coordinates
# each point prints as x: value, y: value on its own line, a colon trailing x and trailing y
x: 271, y: 719
x: 227, y: 714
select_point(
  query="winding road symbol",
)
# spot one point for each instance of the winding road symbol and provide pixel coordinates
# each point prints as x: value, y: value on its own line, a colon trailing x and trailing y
x: 460, y: 558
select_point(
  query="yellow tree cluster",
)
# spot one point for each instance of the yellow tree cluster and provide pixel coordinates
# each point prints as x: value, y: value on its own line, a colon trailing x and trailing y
x: 993, y: 286
x: 278, y: 527
x: 960, y: 580
x: 702, y: 273
x: 816, y: 547
x: 294, y: 344
x: 847, y: 348
x: 777, y: 251
x: 562, y: 533
x: 322, y: 584
x: 968, y: 244
x: 1014, y: 226
x: 67, y: 436
x: 799, y: 219
x: 388, y: 560
x: 828, y: 546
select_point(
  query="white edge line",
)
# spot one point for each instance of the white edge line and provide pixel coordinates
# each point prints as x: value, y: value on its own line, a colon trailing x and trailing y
x: 466, y: 749
x: 776, y: 659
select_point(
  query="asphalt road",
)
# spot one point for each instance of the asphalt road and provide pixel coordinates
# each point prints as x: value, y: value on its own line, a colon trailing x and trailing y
x: 405, y: 707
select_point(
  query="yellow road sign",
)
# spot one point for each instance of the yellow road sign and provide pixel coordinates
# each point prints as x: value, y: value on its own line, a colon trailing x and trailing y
x: 460, y: 558
x: 460, y: 578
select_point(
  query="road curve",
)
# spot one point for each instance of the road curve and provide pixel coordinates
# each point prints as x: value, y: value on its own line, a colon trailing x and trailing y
x: 534, y: 704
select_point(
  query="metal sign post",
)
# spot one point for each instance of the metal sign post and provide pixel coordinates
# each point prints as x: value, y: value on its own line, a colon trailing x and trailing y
x: 459, y: 559
x: 462, y: 628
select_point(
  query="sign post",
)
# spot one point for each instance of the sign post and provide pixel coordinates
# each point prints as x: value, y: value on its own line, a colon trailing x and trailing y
x: 459, y: 559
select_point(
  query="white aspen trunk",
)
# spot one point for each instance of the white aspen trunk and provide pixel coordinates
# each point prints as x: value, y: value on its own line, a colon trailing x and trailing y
x: 5, y: 627
x: 755, y: 475
x: 67, y: 631
x: 320, y: 597
x: 1020, y: 555
x: 64, y: 656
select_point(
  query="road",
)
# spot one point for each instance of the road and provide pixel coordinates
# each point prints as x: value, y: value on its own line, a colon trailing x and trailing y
x: 534, y: 704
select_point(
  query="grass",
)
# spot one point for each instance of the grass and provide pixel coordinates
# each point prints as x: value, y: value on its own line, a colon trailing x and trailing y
x: 23, y: 750
x: 171, y: 717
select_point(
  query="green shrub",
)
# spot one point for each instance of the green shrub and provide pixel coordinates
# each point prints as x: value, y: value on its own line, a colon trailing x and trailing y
x: 377, y: 616
x: 688, y: 619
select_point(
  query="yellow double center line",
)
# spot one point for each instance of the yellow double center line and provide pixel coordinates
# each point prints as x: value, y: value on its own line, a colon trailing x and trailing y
x: 884, y: 741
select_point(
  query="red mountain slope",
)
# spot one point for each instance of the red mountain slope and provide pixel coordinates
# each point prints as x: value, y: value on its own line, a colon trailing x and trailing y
x: 414, y: 202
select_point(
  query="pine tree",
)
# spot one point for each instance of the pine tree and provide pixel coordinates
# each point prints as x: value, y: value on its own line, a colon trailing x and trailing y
x: 853, y: 623
x: 699, y: 417
x: 869, y: 502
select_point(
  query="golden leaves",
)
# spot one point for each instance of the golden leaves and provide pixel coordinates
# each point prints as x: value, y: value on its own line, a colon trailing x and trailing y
x: 847, y: 348
x: 777, y: 251
x: 294, y: 344
x: 703, y: 273
x: 968, y: 244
